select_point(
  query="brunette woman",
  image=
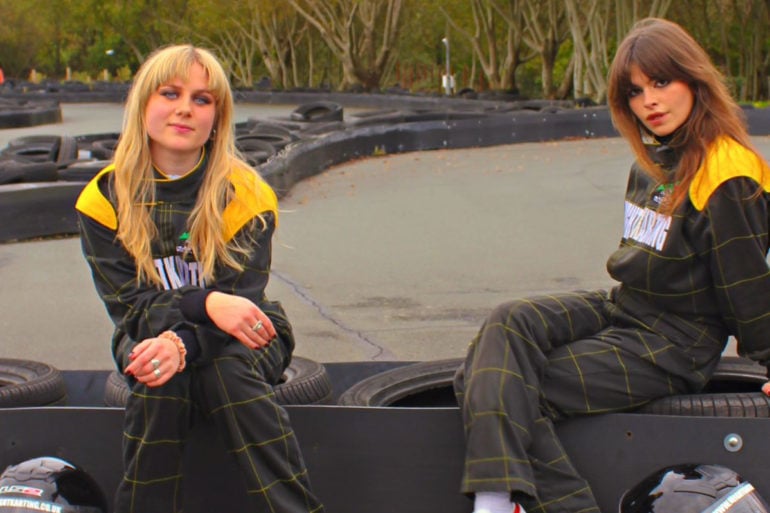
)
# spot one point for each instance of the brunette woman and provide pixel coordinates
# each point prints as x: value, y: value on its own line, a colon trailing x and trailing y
x: 691, y: 269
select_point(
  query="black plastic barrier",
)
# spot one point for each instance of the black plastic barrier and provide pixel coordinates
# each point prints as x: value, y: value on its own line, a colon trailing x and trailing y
x: 290, y: 150
x: 381, y: 460
x: 21, y: 112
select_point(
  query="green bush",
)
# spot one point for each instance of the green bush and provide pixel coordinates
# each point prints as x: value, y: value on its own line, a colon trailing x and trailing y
x: 81, y: 76
x: 124, y: 74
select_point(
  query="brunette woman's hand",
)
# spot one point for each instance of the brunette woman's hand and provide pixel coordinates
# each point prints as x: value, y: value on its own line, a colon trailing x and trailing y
x: 154, y: 361
x: 766, y: 388
x: 240, y: 318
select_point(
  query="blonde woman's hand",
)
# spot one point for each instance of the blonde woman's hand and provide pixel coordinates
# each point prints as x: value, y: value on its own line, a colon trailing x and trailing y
x: 154, y: 361
x: 240, y: 318
x: 766, y: 388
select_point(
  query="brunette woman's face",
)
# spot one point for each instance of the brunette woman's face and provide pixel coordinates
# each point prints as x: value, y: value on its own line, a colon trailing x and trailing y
x: 179, y: 118
x: 661, y: 105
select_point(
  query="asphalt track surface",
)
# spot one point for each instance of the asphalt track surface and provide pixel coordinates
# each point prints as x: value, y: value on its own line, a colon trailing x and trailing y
x: 396, y: 257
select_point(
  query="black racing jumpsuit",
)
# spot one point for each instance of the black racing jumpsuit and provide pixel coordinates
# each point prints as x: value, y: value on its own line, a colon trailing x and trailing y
x: 687, y: 282
x: 224, y: 381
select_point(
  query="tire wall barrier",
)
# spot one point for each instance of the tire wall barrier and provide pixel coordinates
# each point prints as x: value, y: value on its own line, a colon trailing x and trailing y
x: 308, y: 158
x: 42, y: 209
x: 47, y: 208
x: 304, y: 381
x: 733, y: 390
x: 16, y: 113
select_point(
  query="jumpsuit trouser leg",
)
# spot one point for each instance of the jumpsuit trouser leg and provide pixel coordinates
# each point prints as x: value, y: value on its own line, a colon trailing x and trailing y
x: 235, y: 392
x: 535, y: 361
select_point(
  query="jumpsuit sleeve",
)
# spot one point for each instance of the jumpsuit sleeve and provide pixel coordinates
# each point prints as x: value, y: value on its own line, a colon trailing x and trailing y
x: 138, y: 310
x: 249, y: 283
x: 738, y: 222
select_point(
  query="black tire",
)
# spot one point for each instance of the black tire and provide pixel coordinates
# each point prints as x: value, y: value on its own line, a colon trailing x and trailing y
x: 416, y: 384
x: 261, y: 127
x: 468, y: 93
x: 34, y: 152
x: 103, y: 149
x: 317, y: 111
x: 733, y: 391
x: 67, y: 151
x: 10, y: 170
x: 19, y: 171
x: 33, y: 140
x: 730, y: 392
x: 304, y: 382
x: 116, y: 390
x: 25, y: 383
x: 82, y: 171
x: 277, y: 139
x: 254, y: 149
x: 727, y: 404
x: 322, y: 128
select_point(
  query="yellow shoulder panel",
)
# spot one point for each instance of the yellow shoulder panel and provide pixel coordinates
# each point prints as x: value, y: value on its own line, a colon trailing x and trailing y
x: 727, y: 159
x: 93, y: 204
x: 253, y: 196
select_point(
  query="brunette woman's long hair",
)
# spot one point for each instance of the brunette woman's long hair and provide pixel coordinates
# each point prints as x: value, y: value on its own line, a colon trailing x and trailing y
x: 134, y: 182
x: 663, y: 50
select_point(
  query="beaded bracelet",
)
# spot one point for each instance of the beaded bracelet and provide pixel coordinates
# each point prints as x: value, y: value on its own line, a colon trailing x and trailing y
x: 173, y: 337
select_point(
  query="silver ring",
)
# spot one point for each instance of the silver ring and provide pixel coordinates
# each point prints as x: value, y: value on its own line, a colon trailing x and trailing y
x: 156, y: 372
x: 257, y: 326
x: 155, y: 363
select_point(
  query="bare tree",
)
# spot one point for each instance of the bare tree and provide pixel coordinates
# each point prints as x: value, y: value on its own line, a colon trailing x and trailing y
x: 591, y: 35
x: 361, y: 34
x: 253, y: 31
x: 546, y: 31
x: 589, y: 38
x: 238, y: 50
x: 754, y: 59
x: 278, y: 34
x: 496, y: 39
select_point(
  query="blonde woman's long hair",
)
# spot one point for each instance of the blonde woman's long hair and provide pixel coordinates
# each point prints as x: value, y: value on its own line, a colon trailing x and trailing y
x: 134, y: 182
x: 664, y: 50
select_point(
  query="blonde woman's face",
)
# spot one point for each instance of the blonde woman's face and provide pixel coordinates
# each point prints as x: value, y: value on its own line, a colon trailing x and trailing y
x: 179, y: 118
x: 661, y: 105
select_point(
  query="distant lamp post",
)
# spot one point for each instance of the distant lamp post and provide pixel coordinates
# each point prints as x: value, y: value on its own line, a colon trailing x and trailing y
x: 447, y: 80
x: 105, y: 71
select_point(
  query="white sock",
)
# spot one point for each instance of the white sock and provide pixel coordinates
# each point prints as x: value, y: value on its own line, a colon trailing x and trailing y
x: 495, y: 502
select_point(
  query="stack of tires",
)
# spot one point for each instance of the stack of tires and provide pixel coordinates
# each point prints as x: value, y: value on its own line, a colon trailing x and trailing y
x: 36, y: 158
x: 27, y: 383
x: 733, y: 391
x: 41, y: 176
x: 51, y: 158
x: 305, y: 381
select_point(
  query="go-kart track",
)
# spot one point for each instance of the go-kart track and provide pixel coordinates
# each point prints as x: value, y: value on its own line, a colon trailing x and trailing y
x: 380, y: 261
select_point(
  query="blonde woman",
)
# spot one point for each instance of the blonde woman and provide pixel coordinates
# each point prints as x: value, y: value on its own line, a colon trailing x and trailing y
x: 177, y: 232
x: 691, y: 270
